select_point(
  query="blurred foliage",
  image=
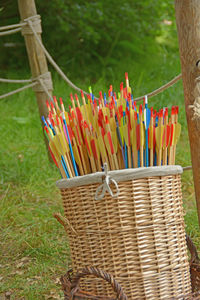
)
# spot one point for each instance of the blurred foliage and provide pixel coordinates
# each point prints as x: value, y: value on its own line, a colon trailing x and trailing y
x: 90, y: 38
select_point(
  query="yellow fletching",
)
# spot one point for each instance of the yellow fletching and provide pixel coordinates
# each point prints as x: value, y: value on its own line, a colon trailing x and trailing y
x: 159, y: 135
x: 106, y: 111
x: 177, y: 132
x: 133, y: 139
x: 54, y: 150
x: 101, y: 146
x: 107, y: 143
x: 114, y: 139
x: 150, y: 137
x: 112, y: 124
x: 66, y: 117
x: 57, y: 145
x: 76, y: 155
x: 125, y: 133
x: 142, y: 133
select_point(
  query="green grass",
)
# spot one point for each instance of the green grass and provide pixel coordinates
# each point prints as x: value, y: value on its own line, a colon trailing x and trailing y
x: 34, y: 248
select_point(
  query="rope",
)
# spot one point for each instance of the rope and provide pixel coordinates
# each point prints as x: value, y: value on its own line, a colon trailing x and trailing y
x: 51, y: 60
x: 161, y: 89
x: 57, y: 68
x: 15, y: 80
x: 101, y: 190
x: 11, y: 26
x: 18, y: 90
x: 10, y: 31
x: 32, y: 25
x: 36, y: 25
x: 44, y: 83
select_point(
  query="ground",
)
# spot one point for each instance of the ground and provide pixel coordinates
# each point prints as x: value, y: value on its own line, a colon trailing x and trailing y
x: 34, y: 247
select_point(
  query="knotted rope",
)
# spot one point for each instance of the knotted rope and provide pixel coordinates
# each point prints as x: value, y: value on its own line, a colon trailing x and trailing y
x: 42, y: 83
x: 32, y: 25
x: 101, y: 190
x: 35, y: 25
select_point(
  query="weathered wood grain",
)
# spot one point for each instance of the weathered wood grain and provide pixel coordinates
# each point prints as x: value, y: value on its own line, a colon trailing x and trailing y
x: 188, y: 26
x: 36, y: 56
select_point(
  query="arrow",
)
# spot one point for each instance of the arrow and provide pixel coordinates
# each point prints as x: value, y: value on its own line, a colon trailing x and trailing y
x: 147, y: 119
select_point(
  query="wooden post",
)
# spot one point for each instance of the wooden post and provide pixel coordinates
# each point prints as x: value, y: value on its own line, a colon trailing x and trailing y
x: 36, y: 56
x: 188, y: 26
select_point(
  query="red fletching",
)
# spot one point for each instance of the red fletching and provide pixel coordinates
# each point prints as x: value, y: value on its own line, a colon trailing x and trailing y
x: 167, y: 135
x: 57, y: 120
x: 85, y: 125
x: 71, y: 134
x: 106, y: 119
x: 129, y: 97
x: 100, y: 115
x: 46, y: 129
x: 125, y: 93
x: 166, y: 112
x: 52, y: 106
x: 95, y: 103
x: 53, y: 157
x: 79, y: 115
x: 173, y: 110
x: 93, y: 146
x: 70, y: 118
x: 61, y: 119
x: 73, y: 115
x: 121, y: 86
x: 77, y: 132
x: 61, y: 102
x: 100, y: 123
x: 76, y: 97
x: 71, y: 97
x: 151, y: 112
x: 47, y: 103
x: 135, y: 115
x: 140, y: 109
x: 126, y: 76
x: 87, y: 146
x: 54, y: 99
x: 110, y: 142
x: 82, y: 95
x: 52, y: 122
x: 101, y: 95
x: 172, y: 133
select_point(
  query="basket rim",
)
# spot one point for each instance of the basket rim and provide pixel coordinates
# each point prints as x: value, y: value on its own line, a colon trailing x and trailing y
x: 120, y: 175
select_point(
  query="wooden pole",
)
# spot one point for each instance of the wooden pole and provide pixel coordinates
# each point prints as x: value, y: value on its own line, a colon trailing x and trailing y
x: 36, y: 56
x: 188, y: 26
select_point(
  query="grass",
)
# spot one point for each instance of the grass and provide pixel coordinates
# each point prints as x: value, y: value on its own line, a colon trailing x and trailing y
x: 34, y: 248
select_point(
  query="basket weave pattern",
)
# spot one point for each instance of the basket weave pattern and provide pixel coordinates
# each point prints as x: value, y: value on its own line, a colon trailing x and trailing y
x: 138, y: 237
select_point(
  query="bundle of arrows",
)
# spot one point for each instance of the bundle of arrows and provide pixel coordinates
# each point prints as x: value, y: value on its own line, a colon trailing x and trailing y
x: 112, y: 129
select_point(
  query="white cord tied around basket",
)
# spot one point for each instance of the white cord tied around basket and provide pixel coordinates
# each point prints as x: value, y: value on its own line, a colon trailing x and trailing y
x: 105, y: 186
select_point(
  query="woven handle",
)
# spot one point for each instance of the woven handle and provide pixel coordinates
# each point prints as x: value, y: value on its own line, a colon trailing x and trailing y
x: 64, y: 222
x: 99, y: 274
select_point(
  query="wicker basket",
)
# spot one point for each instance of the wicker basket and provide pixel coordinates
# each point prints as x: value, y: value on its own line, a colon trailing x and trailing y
x: 137, y: 237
